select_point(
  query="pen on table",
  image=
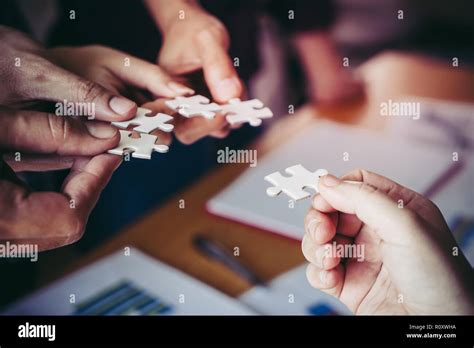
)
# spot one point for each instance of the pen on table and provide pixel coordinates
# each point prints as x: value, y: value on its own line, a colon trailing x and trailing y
x: 219, y: 253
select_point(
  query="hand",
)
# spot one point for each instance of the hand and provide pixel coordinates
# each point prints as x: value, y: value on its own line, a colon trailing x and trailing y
x: 329, y: 82
x: 119, y: 72
x: 407, y: 265
x: 49, y: 142
x: 105, y: 66
x: 189, y: 130
x: 29, y: 75
x: 199, y: 41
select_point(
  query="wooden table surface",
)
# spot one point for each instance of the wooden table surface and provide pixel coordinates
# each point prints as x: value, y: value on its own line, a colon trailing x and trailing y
x: 167, y: 232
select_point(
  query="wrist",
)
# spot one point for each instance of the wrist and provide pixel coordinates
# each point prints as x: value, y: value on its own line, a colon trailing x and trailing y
x: 167, y: 13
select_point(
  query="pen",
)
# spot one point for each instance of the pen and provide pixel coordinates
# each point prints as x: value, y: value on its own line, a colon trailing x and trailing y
x: 216, y: 251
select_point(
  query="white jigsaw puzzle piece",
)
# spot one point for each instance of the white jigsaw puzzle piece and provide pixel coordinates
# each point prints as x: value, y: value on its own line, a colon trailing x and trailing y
x: 196, y: 105
x: 147, y: 124
x: 251, y: 111
x: 142, y: 147
x: 294, y: 185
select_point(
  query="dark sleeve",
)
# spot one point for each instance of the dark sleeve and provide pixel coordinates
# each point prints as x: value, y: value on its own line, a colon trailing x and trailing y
x: 11, y: 16
x: 308, y: 14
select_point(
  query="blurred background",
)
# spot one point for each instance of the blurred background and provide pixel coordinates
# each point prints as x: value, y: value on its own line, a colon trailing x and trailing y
x: 268, y: 63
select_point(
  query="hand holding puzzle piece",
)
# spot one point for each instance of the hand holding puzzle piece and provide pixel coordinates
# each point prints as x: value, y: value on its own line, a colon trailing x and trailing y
x: 145, y: 121
x: 294, y: 185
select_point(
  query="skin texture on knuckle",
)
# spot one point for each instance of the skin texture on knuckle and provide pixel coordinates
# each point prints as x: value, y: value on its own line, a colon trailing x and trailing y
x: 88, y: 91
x: 39, y: 70
x: 216, y: 31
x: 359, y: 173
x: 25, y: 83
x: 58, y: 132
x: 367, y: 191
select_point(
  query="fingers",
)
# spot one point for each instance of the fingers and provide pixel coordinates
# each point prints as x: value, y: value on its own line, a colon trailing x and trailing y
x: 221, y: 133
x: 324, y: 256
x: 391, y: 188
x: 145, y: 75
x: 37, y: 132
x: 40, y: 79
x: 400, y: 194
x: 43, y: 218
x: 189, y: 130
x: 52, y: 83
x: 39, y: 163
x: 348, y: 225
x: 321, y: 227
x: 219, y: 72
x: 52, y: 219
x: 324, y: 271
x: 372, y: 206
x: 320, y: 204
x: 330, y: 281
x: 164, y: 138
x: 87, y: 179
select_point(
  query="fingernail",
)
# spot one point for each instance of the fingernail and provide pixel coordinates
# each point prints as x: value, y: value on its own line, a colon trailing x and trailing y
x: 101, y: 130
x: 121, y: 106
x: 312, y: 228
x: 228, y: 88
x: 330, y: 180
x: 322, y: 276
x: 179, y: 88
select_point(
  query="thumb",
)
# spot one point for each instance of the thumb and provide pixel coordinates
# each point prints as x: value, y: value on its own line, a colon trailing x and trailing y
x: 372, y: 206
x: 40, y: 133
x: 219, y: 72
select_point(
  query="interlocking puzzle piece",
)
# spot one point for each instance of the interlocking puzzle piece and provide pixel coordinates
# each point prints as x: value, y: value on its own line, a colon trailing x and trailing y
x: 196, y: 105
x: 147, y: 124
x: 251, y: 111
x: 142, y: 147
x: 295, y: 184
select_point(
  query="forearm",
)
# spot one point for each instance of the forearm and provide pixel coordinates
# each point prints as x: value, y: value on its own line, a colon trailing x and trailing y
x: 316, y: 52
x: 166, y: 12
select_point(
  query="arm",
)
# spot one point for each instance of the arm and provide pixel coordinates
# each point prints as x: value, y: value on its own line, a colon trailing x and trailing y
x: 195, y: 40
x: 165, y: 12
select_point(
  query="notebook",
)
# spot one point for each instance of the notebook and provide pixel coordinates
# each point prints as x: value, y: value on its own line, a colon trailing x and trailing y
x: 337, y: 148
x: 291, y: 294
x: 133, y: 284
